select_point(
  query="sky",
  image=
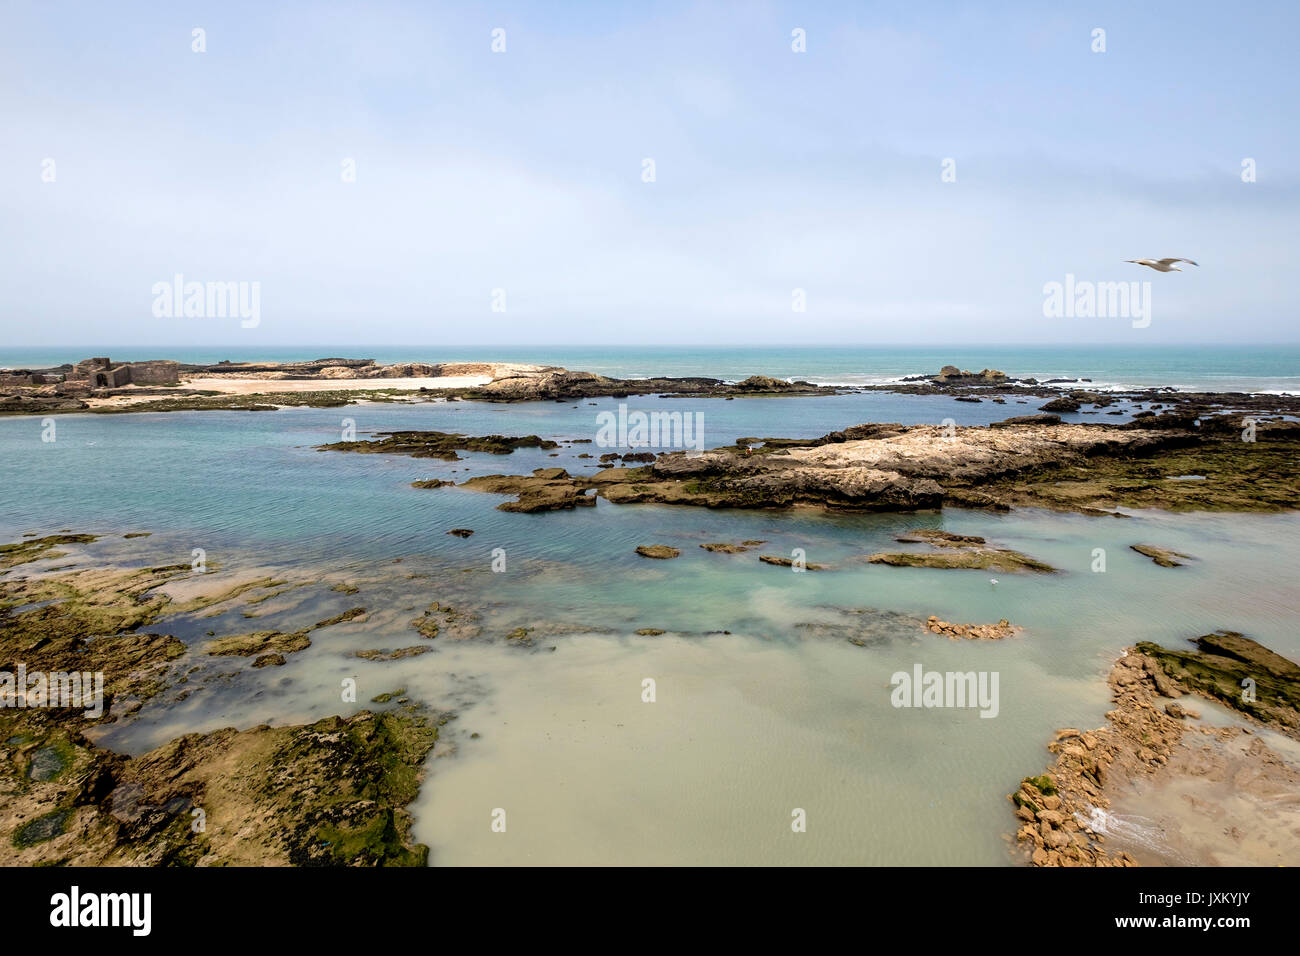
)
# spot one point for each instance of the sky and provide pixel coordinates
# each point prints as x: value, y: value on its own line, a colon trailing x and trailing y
x: 501, y: 197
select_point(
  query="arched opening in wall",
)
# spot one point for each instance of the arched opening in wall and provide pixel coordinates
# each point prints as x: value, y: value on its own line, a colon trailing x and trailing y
x: 101, y: 381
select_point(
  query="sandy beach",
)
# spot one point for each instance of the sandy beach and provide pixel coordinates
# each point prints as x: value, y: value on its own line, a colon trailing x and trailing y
x: 252, y: 386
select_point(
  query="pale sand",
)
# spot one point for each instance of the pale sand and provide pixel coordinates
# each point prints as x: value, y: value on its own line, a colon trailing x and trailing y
x: 230, y: 385
x: 1226, y: 798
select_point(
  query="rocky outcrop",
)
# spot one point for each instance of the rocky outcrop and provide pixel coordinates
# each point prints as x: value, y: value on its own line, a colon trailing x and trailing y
x: 1144, y: 738
x: 1161, y: 556
x: 444, y: 445
x: 547, y: 489
x: 952, y: 375
x: 897, y: 468
x: 546, y: 385
x: 1027, y: 420
x: 565, y: 385
x: 1239, y: 672
x: 660, y: 551
x: 1089, y: 468
x: 1062, y: 404
x: 971, y: 632
x: 724, y: 547
x: 331, y: 792
x: 963, y: 559
x: 784, y: 562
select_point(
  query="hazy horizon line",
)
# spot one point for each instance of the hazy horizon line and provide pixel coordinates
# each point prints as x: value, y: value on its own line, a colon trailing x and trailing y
x: 660, y: 345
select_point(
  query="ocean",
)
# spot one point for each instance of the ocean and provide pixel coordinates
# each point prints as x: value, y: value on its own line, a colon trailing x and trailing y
x: 1253, y: 368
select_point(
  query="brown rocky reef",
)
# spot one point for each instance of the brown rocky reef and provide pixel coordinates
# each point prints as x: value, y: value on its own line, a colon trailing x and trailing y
x: 330, y: 792
x: 444, y: 445
x: 889, y: 467
x: 1145, y: 740
x: 564, y: 385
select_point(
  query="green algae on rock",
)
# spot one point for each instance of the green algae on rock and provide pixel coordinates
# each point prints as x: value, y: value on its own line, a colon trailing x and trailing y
x: 432, y: 444
x: 443, y: 619
x: 971, y: 559
x: 660, y: 551
x: 957, y: 551
x: 35, y: 549
x: 1238, y: 672
x: 328, y: 793
x: 1092, y: 469
x: 332, y: 792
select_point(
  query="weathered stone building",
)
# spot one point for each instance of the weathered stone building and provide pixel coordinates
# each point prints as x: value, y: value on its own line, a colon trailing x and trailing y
x: 101, y: 373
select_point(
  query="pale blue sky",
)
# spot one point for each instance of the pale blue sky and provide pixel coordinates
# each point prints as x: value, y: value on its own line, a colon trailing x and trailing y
x: 522, y: 170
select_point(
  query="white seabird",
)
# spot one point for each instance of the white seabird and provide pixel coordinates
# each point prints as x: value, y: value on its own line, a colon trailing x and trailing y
x: 1161, y: 265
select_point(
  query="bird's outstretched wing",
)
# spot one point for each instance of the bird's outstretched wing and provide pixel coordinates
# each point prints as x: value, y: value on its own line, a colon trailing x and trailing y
x: 1168, y: 262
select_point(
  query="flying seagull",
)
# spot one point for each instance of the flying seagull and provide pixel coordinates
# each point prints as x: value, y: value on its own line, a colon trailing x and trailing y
x: 1161, y: 265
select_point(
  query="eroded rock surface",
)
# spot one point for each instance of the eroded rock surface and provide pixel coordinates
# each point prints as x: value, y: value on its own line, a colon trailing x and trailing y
x: 1150, y: 744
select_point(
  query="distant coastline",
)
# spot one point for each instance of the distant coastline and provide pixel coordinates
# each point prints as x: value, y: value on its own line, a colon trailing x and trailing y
x: 1265, y: 369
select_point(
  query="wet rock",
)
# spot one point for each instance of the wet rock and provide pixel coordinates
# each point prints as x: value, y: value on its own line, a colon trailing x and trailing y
x: 1161, y: 556
x: 1220, y: 667
x: 789, y: 562
x: 971, y: 632
x: 1062, y: 404
x: 982, y: 559
x: 723, y: 547
x: 399, y: 654
x: 444, y: 445
x: 661, y: 551
x: 1028, y: 420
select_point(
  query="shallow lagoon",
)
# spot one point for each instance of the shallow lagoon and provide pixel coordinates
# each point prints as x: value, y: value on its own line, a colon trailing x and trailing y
x: 784, y: 712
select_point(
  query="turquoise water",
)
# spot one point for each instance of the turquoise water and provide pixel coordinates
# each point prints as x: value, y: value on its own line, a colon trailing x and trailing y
x: 234, y: 474
x: 1253, y: 368
x: 784, y: 711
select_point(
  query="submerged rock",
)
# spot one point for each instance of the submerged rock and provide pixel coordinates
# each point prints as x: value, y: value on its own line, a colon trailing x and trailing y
x: 401, y: 652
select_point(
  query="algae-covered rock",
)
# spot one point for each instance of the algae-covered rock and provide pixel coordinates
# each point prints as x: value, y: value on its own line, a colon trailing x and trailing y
x: 1240, y: 672
x: 970, y: 559
x: 784, y: 562
x: 444, y: 445
x: 1161, y: 556
x: 660, y: 551
x: 34, y: 549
